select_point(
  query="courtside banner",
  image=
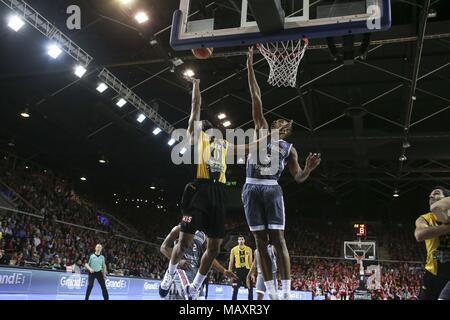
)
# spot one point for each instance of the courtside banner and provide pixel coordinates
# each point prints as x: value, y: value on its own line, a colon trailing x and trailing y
x: 59, y: 284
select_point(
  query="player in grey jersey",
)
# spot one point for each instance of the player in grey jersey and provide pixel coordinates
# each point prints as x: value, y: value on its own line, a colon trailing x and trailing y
x: 190, y: 262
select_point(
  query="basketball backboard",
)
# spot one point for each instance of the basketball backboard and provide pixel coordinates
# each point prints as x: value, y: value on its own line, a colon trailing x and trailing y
x: 208, y: 23
x: 366, y: 249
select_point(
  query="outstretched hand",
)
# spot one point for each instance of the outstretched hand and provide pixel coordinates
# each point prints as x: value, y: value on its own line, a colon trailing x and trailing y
x: 250, y: 57
x: 313, y: 161
x: 230, y: 275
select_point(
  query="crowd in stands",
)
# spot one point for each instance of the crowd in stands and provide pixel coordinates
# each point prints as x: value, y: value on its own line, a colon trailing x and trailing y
x: 30, y: 241
x: 338, y: 279
x: 48, y: 243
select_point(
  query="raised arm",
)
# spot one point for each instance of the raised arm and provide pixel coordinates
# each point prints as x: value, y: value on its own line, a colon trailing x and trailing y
x: 301, y: 175
x: 196, y: 108
x: 441, y: 207
x: 426, y: 232
x: 255, y: 91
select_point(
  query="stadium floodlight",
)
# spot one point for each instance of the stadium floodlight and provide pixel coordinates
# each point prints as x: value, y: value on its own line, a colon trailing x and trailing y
x: 141, y: 17
x: 102, y: 87
x: 226, y: 124
x: 121, y: 102
x: 141, y: 118
x: 157, y: 131
x: 15, y: 23
x: 171, y: 142
x: 54, y: 51
x: 25, y: 113
x: 189, y: 73
x: 80, y: 71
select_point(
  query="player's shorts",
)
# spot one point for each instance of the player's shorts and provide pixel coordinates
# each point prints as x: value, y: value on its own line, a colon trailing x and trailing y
x: 264, y: 207
x: 432, y: 286
x: 261, y: 286
x: 445, y: 294
x: 242, y: 274
x: 204, y: 208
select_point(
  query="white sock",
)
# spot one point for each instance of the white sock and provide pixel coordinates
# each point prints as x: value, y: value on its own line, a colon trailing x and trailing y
x: 198, y: 281
x: 172, y: 268
x: 286, y: 286
x: 270, y: 286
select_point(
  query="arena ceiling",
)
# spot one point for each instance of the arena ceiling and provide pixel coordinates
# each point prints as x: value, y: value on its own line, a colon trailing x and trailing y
x: 362, y: 116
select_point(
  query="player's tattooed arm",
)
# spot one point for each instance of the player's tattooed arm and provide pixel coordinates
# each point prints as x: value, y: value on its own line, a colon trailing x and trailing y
x: 255, y: 91
x: 196, y: 108
x: 426, y: 232
x: 301, y: 175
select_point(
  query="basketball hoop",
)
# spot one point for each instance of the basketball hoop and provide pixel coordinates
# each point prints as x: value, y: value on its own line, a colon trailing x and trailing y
x: 284, y: 60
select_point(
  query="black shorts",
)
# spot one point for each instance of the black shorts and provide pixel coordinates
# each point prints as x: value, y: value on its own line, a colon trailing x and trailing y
x: 204, y: 208
x: 432, y: 286
x: 242, y: 274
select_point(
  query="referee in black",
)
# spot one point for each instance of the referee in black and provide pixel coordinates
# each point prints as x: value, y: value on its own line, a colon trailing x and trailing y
x: 97, y: 270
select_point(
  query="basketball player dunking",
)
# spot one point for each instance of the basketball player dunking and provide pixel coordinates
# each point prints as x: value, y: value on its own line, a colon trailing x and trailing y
x: 263, y: 197
x: 434, y: 229
x: 203, y: 204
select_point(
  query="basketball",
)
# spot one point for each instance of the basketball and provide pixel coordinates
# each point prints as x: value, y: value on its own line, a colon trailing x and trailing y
x: 202, y: 53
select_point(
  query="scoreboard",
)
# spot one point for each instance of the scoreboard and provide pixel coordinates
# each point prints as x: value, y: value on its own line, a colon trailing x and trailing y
x: 360, y: 229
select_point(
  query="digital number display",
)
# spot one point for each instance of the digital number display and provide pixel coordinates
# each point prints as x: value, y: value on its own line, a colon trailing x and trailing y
x: 361, y: 229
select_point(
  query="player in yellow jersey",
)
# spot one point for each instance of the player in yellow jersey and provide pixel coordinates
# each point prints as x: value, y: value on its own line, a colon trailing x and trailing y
x: 434, y: 229
x: 203, y: 204
x: 241, y: 260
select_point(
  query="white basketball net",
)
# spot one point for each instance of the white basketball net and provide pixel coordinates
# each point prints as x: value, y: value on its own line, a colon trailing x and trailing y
x: 284, y: 60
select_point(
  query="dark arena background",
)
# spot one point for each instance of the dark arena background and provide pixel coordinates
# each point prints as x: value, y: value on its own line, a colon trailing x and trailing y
x: 87, y: 158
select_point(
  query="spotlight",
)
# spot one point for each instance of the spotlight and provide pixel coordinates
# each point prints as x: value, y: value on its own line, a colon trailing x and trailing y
x: 83, y: 178
x: 141, y: 118
x: 15, y: 23
x: 226, y: 124
x: 157, y: 131
x: 54, y: 51
x: 141, y: 17
x: 121, y: 102
x: 189, y: 73
x: 102, y: 160
x: 11, y: 143
x: 396, y: 194
x: 80, y: 71
x: 403, y: 158
x: 126, y: 2
x: 171, y: 142
x: 183, y: 151
x: 25, y: 113
x: 221, y: 116
x: 102, y: 87
x: 153, y: 187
